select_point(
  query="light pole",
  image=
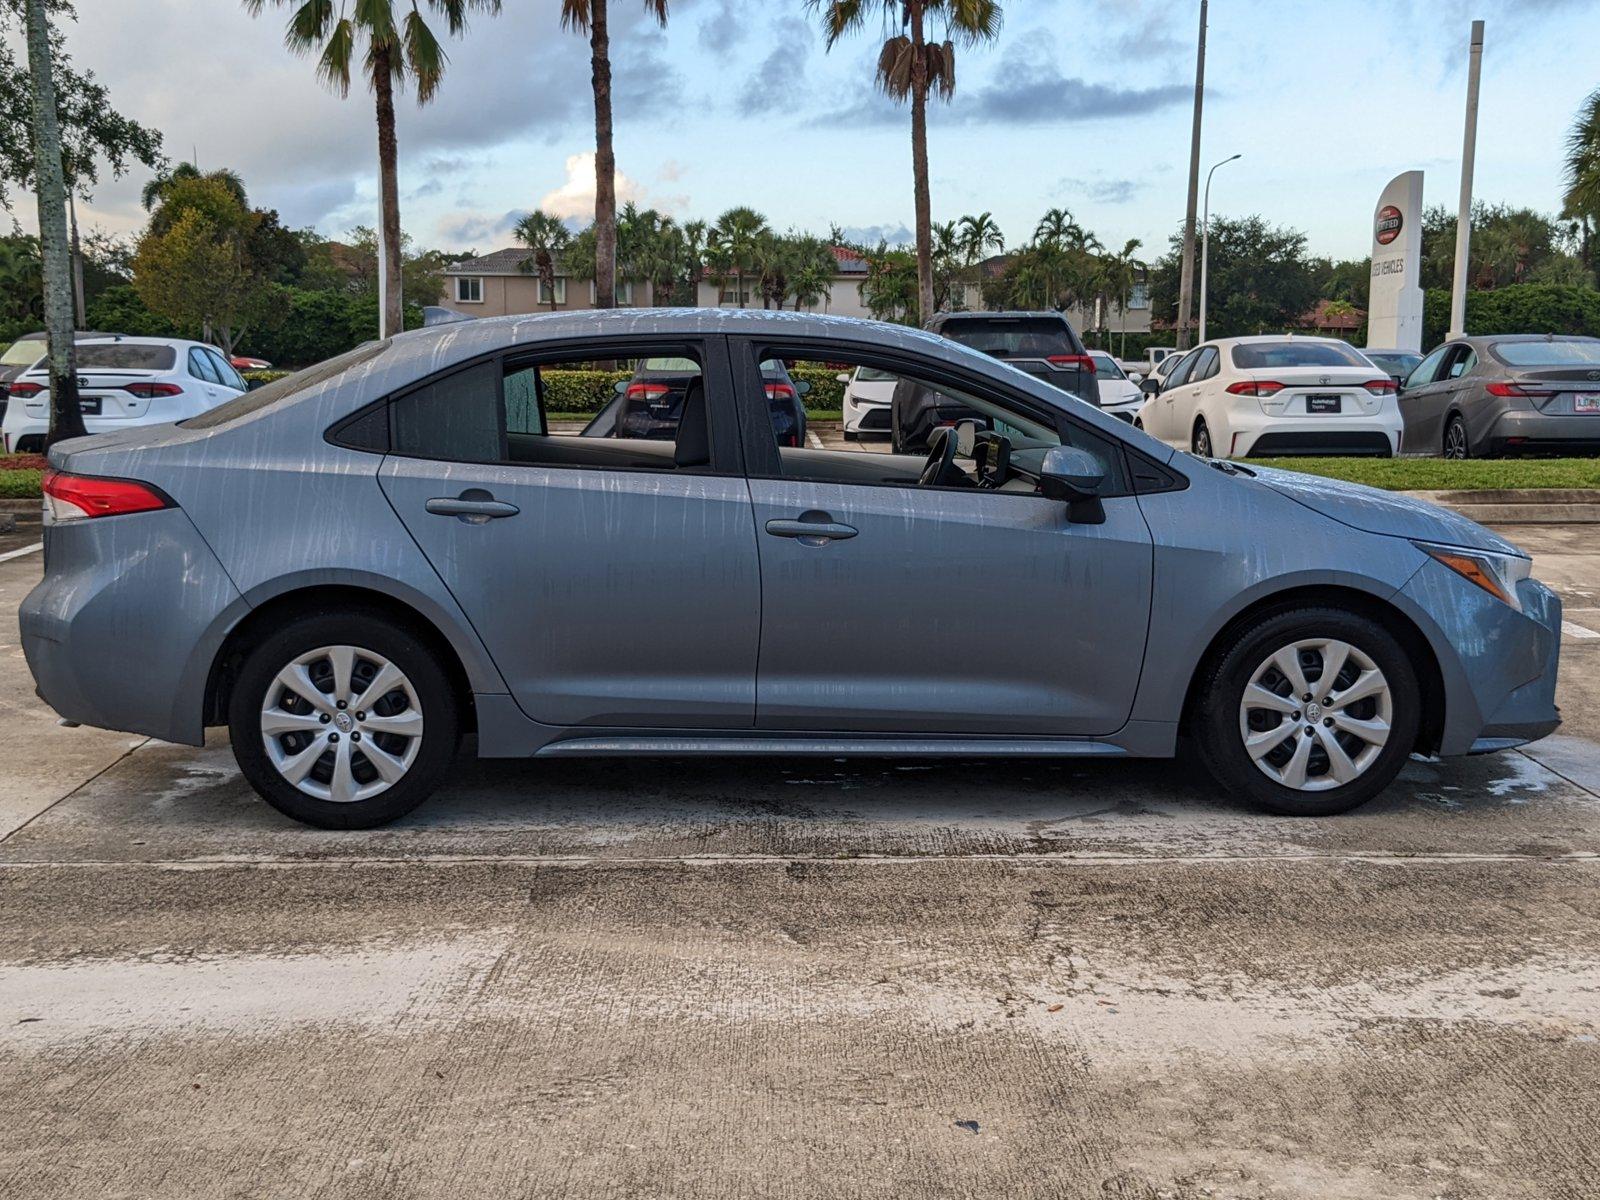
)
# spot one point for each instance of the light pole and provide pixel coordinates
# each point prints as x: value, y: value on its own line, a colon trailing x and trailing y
x: 1205, y: 242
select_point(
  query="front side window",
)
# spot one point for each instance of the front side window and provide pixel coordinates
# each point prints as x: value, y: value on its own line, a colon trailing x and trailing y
x: 1206, y: 365
x: 1179, y: 375
x: 1463, y: 362
x: 469, y: 289
x: 1427, y: 368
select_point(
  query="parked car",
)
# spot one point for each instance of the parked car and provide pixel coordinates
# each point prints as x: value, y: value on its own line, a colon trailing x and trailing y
x: 23, y: 353
x: 868, y: 397
x: 1396, y: 363
x: 1153, y: 357
x: 1152, y: 380
x: 244, y: 362
x: 1119, y: 395
x: 1478, y: 397
x: 650, y: 405
x: 1237, y: 397
x: 354, y: 565
x: 124, y: 382
x: 1043, y: 344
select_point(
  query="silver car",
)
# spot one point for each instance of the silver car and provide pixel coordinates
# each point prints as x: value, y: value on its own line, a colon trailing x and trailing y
x: 355, y: 566
x: 1480, y: 397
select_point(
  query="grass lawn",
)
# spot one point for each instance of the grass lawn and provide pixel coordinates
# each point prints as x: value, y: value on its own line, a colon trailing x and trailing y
x: 18, y: 484
x: 1438, y: 474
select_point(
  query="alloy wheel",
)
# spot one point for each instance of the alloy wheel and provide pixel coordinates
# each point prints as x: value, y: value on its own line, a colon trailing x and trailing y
x: 1455, y: 439
x: 1202, y: 440
x: 341, y: 723
x: 1316, y: 714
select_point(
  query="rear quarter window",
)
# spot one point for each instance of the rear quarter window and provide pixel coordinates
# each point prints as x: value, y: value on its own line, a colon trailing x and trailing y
x: 285, y: 388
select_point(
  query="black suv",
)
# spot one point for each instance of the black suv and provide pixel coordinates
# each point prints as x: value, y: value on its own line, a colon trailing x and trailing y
x: 1044, y: 344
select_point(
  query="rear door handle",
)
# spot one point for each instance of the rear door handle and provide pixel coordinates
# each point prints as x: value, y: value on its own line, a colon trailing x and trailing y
x: 811, y: 533
x: 474, y: 506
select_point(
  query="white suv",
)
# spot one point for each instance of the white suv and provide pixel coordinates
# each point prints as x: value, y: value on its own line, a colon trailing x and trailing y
x: 1280, y: 394
x: 124, y: 381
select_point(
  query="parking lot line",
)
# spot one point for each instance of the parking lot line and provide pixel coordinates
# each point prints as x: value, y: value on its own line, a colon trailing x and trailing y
x: 1573, y: 630
x: 10, y: 554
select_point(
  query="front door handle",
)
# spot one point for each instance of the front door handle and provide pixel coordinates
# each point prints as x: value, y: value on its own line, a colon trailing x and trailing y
x: 811, y: 533
x: 474, y: 506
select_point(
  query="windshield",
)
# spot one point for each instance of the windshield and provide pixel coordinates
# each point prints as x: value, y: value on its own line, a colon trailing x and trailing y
x: 122, y: 356
x: 282, y: 389
x: 1260, y: 356
x: 22, y: 353
x: 1562, y: 352
x: 1106, y: 367
x: 1020, y: 337
x: 873, y: 375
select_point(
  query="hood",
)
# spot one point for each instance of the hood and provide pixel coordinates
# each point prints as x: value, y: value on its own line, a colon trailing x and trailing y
x: 1373, y: 510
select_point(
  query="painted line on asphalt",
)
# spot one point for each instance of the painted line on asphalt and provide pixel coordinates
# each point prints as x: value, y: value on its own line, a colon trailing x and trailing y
x: 814, y: 441
x: 10, y: 554
x: 1574, y: 630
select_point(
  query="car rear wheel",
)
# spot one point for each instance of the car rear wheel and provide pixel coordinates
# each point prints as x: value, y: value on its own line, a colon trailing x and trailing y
x: 1455, y: 438
x: 1312, y: 713
x: 1200, y: 443
x: 343, y: 721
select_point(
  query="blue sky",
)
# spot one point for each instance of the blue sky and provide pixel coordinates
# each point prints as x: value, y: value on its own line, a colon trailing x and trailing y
x: 1081, y: 103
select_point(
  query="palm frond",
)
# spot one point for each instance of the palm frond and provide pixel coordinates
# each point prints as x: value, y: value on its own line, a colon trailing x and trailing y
x: 894, y: 67
x: 658, y: 10
x: 972, y: 21
x: 376, y: 17
x: 308, y: 25
x: 575, y: 15
x: 425, y: 57
x: 333, y: 67
x: 941, y: 70
x: 840, y: 17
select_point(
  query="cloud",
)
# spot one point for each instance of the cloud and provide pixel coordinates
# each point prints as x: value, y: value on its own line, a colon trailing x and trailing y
x: 573, y: 201
x: 723, y: 27
x: 1108, y: 191
x: 770, y: 87
x: 470, y: 228
x: 871, y: 235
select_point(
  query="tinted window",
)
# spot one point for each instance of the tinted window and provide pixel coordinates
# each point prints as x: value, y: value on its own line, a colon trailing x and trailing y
x: 1395, y: 364
x: 123, y: 357
x: 1463, y: 361
x: 1206, y: 365
x: 23, y: 353
x: 1021, y: 337
x: 1425, y: 369
x: 200, y: 367
x: 873, y: 375
x: 455, y: 418
x: 225, y: 372
x: 282, y: 389
x: 1106, y: 367
x: 1559, y: 352
x: 1180, y: 373
x: 1259, y: 356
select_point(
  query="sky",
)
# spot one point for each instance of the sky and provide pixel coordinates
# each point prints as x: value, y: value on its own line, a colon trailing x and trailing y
x: 1081, y: 104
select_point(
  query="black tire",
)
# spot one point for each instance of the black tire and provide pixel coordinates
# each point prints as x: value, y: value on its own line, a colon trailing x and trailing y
x: 1457, y: 444
x: 367, y: 630
x: 1216, y: 717
x: 1200, y: 439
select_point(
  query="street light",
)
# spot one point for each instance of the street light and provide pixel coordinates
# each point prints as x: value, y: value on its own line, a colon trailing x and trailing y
x: 1205, y: 242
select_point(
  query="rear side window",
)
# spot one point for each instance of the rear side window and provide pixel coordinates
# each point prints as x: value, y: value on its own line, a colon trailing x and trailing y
x: 1180, y: 373
x: 1264, y: 356
x: 1205, y: 366
x: 1558, y: 352
x: 455, y: 418
x: 115, y: 357
x: 1020, y: 337
x: 282, y: 389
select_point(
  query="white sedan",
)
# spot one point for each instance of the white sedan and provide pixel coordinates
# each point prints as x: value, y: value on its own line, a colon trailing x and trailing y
x: 868, y: 397
x: 1119, y: 395
x: 122, y: 382
x: 1276, y: 394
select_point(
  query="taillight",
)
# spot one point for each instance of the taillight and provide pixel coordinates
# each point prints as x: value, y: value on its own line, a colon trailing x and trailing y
x: 1517, y: 389
x: 1255, y: 387
x: 76, y: 497
x: 1381, y: 387
x: 26, y: 390
x: 1082, y: 361
x: 648, y: 392
x: 148, y: 391
x: 779, y: 391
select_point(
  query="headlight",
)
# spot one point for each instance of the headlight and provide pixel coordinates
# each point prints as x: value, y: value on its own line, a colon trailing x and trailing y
x: 1497, y: 574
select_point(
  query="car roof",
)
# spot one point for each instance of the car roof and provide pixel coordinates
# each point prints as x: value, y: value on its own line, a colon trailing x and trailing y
x: 1256, y: 339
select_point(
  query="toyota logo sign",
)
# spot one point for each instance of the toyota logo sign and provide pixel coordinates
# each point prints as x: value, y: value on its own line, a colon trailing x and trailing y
x: 1389, y: 222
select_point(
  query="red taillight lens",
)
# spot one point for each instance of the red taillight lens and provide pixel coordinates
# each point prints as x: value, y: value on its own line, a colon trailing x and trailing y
x: 1082, y: 361
x: 74, y: 497
x: 779, y: 391
x: 1255, y: 387
x: 1517, y: 389
x: 647, y: 392
x: 148, y: 391
x: 26, y: 390
x: 1381, y: 387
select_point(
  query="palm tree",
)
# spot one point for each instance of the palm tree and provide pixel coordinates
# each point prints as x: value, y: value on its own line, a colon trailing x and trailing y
x: 1581, y: 200
x: 159, y: 188
x: 588, y: 17
x: 736, y: 238
x: 548, y: 238
x: 1122, y: 271
x: 394, y: 51
x: 909, y: 66
x: 1055, y: 227
x: 975, y: 237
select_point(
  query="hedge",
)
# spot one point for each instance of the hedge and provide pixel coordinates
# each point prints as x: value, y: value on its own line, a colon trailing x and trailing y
x: 1519, y: 308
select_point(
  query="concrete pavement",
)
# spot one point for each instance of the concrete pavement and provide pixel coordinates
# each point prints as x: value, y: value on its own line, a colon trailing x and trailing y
x: 701, y: 978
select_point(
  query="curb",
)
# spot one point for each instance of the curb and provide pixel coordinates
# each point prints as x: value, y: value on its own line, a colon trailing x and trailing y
x: 1521, y: 506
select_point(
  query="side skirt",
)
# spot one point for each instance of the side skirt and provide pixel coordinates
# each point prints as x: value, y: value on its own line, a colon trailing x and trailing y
x: 688, y: 744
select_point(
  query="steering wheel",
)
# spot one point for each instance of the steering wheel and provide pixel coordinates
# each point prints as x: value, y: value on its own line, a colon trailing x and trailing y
x: 941, y: 459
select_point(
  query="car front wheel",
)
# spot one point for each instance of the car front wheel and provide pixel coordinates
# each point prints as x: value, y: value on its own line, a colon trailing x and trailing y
x: 1312, y: 713
x: 1201, y: 442
x: 343, y: 721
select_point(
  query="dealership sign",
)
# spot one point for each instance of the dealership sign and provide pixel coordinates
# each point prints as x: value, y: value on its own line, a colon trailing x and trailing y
x: 1394, y: 304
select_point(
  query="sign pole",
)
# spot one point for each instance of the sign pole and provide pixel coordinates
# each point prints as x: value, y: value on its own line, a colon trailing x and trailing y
x: 1458, y: 291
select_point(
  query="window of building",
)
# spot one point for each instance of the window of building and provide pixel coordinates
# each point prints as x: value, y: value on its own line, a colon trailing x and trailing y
x: 624, y: 293
x: 1139, y: 296
x: 469, y: 289
x: 733, y: 295
x: 560, y: 292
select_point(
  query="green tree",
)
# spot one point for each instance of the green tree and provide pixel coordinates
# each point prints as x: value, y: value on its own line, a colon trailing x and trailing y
x: 1581, y: 199
x: 735, y: 242
x: 159, y: 187
x: 1120, y: 272
x: 391, y: 49
x: 548, y: 237
x: 1260, y: 278
x: 590, y: 18
x: 909, y: 68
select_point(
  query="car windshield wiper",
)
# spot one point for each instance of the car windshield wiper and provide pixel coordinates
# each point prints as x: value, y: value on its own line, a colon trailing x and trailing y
x: 1228, y: 468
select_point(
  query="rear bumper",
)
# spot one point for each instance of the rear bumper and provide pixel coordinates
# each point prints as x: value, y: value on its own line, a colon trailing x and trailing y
x: 122, y: 631
x: 1536, y: 433
x: 1260, y: 435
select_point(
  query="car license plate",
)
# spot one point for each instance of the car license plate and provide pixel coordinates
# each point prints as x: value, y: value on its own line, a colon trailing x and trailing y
x: 1323, y: 404
x: 1586, y: 402
x: 90, y: 407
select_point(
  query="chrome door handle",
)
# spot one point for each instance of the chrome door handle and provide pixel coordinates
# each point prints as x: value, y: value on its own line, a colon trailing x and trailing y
x: 811, y: 533
x: 474, y: 506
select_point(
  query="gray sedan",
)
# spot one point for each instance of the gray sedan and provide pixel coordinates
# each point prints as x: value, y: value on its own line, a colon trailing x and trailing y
x: 356, y: 565
x: 1479, y: 397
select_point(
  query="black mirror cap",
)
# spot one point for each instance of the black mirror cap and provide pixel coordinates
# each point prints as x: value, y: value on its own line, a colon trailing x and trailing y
x: 1072, y: 475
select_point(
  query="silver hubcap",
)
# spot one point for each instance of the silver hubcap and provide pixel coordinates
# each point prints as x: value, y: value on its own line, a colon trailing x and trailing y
x: 1316, y: 714
x: 1202, y: 442
x: 342, y: 723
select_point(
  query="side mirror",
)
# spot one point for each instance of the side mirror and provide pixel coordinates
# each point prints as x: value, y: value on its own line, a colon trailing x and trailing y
x: 1076, y: 477
x: 620, y: 387
x: 801, y: 387
x: 1150, y: 385
x: 843, y: 376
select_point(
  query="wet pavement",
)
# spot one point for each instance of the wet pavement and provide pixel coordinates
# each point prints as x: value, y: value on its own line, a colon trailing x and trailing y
x: 802, y: 978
